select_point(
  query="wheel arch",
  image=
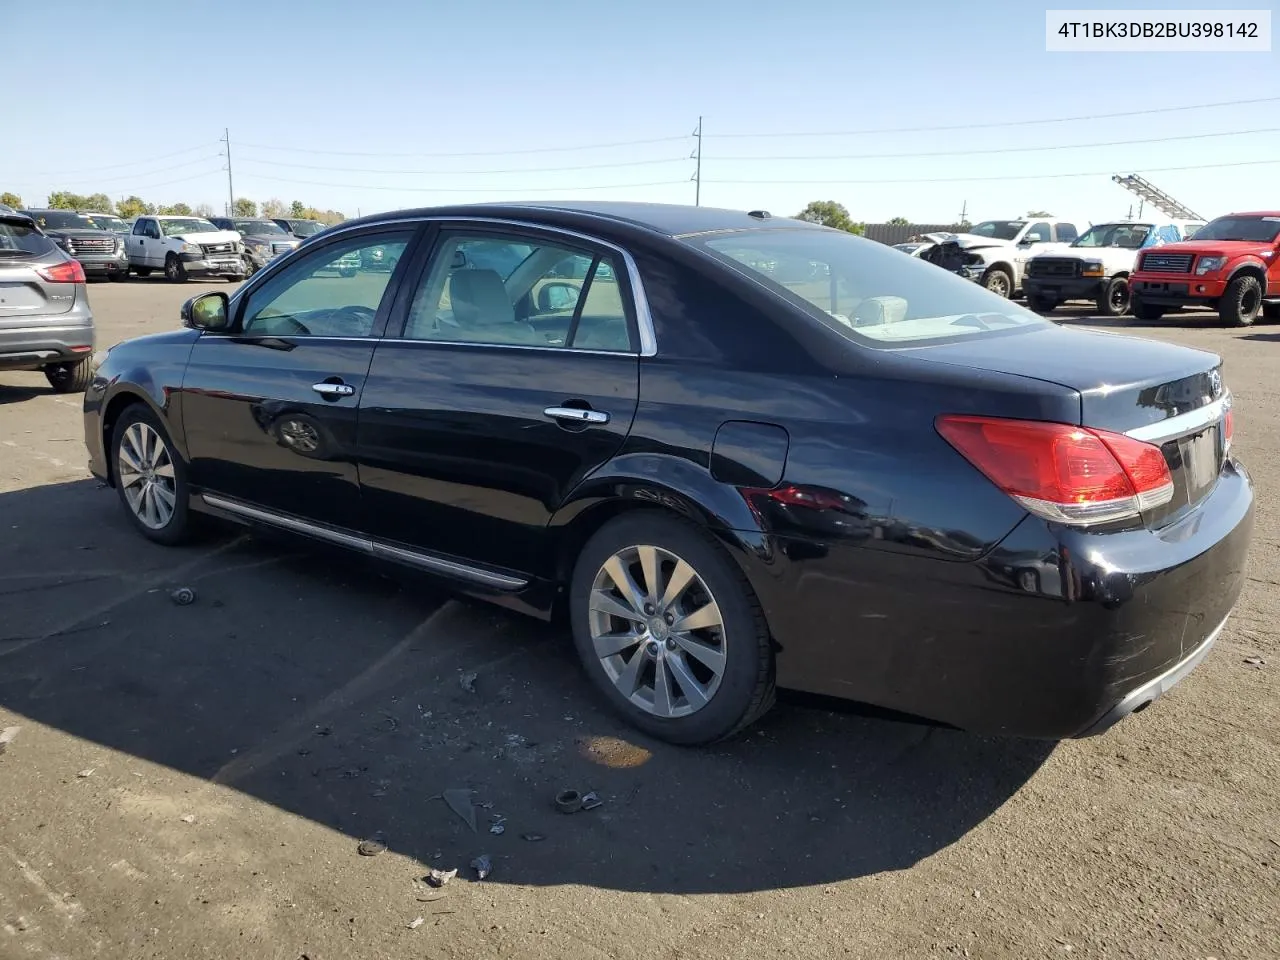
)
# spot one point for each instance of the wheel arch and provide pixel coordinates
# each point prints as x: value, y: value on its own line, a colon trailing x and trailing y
x: 1251, y: 268
x: 123, y: 398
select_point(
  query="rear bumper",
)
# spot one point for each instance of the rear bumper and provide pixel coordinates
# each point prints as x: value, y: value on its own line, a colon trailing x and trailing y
x: 1064, y: 288
x: 1054, y: 634
x: 29, y: 348
x: 107, y: 265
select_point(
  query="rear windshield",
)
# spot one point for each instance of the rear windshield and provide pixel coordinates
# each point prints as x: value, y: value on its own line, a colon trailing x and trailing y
x: 868, y: 291
x: 17, y: 240
x: 1256, y: 229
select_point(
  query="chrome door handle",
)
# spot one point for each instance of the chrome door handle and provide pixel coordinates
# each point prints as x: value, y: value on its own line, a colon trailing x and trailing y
x: 333, y: 389
x: 576, y: 414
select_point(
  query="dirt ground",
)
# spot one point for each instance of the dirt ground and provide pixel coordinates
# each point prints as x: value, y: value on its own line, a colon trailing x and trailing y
x: 195, y: 781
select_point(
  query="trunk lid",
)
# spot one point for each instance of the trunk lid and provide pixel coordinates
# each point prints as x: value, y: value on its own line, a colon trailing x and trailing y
x: 1161, y: 393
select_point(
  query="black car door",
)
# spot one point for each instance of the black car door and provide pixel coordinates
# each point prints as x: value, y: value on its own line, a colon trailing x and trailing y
x: 270, y: 407
x: 510, y: 374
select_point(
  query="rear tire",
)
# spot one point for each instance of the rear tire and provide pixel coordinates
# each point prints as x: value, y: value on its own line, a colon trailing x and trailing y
x: 1241, y: 302
x: 150, y: 460
x: 1113, y: 301
x: 1144, y: 311
x: 174, y: 271
x: 71, y: 377
x: 691, y: 686
x: 999, y: 281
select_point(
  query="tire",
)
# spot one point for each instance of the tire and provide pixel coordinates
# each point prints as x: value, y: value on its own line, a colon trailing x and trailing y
x: 1113, y: 300
x: 137, y: 423
x: 999, y: 281
x: 1241, y: 302
x: 1144, y: 311
x: 142, y: 271
x: 174, y: 271
x: 69, y: 377
x: 249, y: 268
x: 1042, y: 304
x: 737, y: 696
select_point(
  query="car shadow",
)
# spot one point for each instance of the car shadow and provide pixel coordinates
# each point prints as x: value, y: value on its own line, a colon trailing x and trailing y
x: 1263, y: 337
x: 1088, y: 319
x: 15, y: 394
x: 358, y: 700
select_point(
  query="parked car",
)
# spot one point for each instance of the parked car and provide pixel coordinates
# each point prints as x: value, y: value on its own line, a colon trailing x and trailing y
x: 99, y: 251
x: 725, y: 481
x: 108, y: 221
x: 45, y: 320
x: 994, y: 252
x: 184, y: 246
x: 302, y: 229
x: 1231, y: 265
x: 263, y: 240
x: 1098, y: 265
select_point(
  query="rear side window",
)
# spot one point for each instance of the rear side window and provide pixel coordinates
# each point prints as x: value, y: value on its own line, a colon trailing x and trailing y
x: 17, y: 240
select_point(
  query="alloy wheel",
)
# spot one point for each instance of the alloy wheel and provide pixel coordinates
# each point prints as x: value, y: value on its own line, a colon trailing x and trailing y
x: 145, y: 471
x: 658, y: 631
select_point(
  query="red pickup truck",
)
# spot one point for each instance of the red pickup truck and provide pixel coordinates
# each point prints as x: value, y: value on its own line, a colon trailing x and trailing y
x: 1231, y: 264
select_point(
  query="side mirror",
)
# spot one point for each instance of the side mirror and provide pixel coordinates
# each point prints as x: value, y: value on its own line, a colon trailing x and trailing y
x: 554, y: 297
x: 208, y: 311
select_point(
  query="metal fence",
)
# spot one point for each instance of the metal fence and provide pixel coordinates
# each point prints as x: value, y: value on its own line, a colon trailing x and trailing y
x: 892, y: 233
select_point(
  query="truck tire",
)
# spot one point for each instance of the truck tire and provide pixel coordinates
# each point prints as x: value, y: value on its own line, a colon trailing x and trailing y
x: 1241, y: 302
x: 1113, y: 299
x: 1144, y: 311
x: 999, y: 281
x: 174, y: 271
x: 71, y: 377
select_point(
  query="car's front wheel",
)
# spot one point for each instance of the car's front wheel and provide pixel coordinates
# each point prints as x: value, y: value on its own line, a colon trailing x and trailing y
x: 150, y: 477
x: 670, y: 630
x: 1241, y: 302
x: 999, y: 281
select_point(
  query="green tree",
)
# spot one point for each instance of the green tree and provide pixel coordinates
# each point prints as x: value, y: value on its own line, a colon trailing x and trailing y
x: 98, y: 203
x: 65, y: 200
x: 134, y: 206
x: 273, y: 208
x: 898, y: 222
x: 244, y: 207
x: 296, y: 209
x: 830, y: 214
x: 175, y: 210
x: 1039, y: 213
x: 11, y: 200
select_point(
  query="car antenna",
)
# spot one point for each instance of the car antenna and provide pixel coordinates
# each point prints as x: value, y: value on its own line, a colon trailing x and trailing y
x: 760, y: 214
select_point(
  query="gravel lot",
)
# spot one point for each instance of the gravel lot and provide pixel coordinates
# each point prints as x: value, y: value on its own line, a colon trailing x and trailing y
x: 194, y: 781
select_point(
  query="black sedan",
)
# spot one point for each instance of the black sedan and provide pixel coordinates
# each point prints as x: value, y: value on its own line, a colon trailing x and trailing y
x: 736, y: 452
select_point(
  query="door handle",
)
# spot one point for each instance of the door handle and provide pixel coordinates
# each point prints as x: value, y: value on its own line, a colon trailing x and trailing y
x: 333, y: 390
x: 576, y: 415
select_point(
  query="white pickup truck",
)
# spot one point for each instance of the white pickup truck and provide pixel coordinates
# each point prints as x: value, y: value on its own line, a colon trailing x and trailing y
x: 183, y: 247
x: 994, y: 252
x: 1097, y: 266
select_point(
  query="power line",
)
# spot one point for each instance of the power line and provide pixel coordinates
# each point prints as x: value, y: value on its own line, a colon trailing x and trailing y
x: 132, y: 163
x: 133, y: 176
x: 449, y: 173
x: 1007, y: 176
x: 1002, y: 123
x: 490, y: 153
x: 997, y: 150
x: 419, y: 188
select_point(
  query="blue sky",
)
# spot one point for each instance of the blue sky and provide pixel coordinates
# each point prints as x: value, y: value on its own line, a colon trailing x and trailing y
x: 388, y: 104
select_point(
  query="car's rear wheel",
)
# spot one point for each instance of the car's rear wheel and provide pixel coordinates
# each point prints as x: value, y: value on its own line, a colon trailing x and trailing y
x: 669, y: 629
x: 174, y: 271
x: 998, y: 281
x: 151, y: 478
x: 1113, y: 300
x: 1144, y: 311
x: 1241, y: 302
x: 73, y: 377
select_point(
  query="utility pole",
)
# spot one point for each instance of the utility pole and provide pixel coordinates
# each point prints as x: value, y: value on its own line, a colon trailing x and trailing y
x: 231, y: 193
x: 697, y: 172
x: 964, y: 213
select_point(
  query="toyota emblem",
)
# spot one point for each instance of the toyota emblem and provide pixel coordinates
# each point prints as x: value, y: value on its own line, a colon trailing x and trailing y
x: 1215, y: 382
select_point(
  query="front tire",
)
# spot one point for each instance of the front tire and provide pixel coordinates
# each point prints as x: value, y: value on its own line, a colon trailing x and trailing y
x: 999, y: 281
x: 174, y: 271
x: 1241, y: 302
x: 1143, y: 310
x: 1113, y: 300
x: 151, y: 479
x: 69, y: 377
x: 670, y: 631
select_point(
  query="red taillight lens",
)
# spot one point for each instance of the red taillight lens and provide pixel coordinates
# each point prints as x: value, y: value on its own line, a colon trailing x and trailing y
x: 69, y: 272
x: 1073, y: 475
x: 1228, y: 428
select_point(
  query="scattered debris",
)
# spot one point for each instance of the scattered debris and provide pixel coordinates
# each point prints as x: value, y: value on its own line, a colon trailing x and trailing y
x: 591, y: 800
x: 977, y: 894
x: 533, y: 837
x: 324, y: 731
x: 86, y: 773
x: 568, y: 801
x: 188, y: 819
x: 416, y: 923
x: 183, y: 596
x: 371, y: 848
x: 482, y: 865
x: 468, y: 681
x: 498, y: 829
x: 459, y: 802
x: 438, y: 878
x: 1255, y: 661
x: 7, y: 736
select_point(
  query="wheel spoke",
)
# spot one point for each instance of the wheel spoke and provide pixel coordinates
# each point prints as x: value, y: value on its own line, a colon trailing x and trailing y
x: 710, y: 657
x: 652, y: 571
x: 681, y: 577
x: 606, y: 603
x: 661, y: 688
x: 165, y: 470
x: 700, y: 619
x: 129, y: 477
x: 693, y: 691
x: 610, y: 644
x: 149, y: 440
x: 129, y: 454
x: 631, y: 593
x: 149, y: 505
x: 629, y: 680
x: 165, y: 497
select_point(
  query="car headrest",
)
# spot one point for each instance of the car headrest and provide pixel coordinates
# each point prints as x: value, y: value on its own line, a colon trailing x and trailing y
x: 479, y: 298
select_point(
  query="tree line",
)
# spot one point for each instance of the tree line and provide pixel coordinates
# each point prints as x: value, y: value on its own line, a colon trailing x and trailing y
x: 829, y: 213
x: 135, y: 206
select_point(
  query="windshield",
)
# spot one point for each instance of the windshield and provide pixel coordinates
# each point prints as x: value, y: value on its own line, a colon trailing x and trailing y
x: 176, y: 226
x: 257, y: 228
x: 1131, y: 236
x: 64, y: 220
x: 998, y: 229
x: 307, y: 228
x: 1255, y: 229
x: 868, y: 291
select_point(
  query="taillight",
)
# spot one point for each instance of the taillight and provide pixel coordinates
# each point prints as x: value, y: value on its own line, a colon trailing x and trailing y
x: 1228, y: 428
x: 69, y: 272
x: 1074, y: 475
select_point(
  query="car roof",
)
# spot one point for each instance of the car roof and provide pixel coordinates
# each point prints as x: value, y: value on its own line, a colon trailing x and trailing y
x: 669, y: 219
x: 1253, y: 213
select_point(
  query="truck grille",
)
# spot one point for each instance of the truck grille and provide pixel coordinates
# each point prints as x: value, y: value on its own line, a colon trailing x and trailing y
x: 1053, y: 267
x: 1167, y: 262
x: 226, y: 247
x: 105, y: 244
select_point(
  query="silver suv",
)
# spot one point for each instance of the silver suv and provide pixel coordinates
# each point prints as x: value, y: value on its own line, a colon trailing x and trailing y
x: 45, y: 320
